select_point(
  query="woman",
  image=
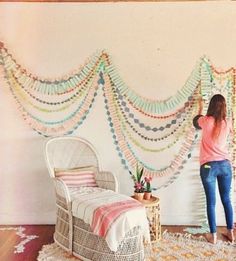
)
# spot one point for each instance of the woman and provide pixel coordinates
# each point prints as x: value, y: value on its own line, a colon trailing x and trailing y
x: 214, y: 161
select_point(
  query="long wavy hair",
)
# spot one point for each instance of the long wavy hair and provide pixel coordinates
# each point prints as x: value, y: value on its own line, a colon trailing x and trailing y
x: 217, y: 109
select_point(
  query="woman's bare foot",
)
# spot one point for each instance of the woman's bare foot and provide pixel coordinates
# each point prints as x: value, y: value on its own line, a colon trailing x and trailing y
x: 229, y: 235
x: 211, y: 238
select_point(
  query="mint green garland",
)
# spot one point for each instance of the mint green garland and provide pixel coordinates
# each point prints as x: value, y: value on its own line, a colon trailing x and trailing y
x: 46, y: 87
x: 156, y: 107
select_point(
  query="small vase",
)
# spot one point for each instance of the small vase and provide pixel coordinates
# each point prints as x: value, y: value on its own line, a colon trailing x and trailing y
x: 147, y: 195
x: 138, y: 195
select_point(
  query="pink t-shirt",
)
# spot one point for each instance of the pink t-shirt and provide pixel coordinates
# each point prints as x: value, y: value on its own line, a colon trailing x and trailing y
x: 214, y: 149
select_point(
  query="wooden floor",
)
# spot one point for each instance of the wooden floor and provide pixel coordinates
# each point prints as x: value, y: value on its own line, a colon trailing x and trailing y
x: 9, y: 239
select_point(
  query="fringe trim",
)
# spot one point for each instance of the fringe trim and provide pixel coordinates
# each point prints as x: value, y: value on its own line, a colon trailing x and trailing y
x: 181, y: 236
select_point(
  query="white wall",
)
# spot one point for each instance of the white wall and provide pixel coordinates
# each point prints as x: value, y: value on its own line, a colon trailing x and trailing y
x: 154, y: 47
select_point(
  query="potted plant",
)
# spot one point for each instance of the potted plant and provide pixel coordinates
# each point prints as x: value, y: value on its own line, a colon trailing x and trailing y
x: 138, y: 183
x: 148, y: 188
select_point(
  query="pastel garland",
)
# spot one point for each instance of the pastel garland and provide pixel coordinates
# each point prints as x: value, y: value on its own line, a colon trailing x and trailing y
x: 50, y: 87
x: 81, y: 87
x: 123, y: 146
x: 151, y: 106
x: 182, y: 117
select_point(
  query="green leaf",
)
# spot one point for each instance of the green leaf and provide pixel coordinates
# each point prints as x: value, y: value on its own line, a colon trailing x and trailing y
x: 141, y: 172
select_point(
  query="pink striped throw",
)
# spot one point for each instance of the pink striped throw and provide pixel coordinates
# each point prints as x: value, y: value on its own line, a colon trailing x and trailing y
x: 106, y: 215
x: 78, y: 177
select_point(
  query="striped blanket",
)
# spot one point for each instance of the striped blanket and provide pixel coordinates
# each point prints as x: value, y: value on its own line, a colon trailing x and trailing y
x: 110, y: 215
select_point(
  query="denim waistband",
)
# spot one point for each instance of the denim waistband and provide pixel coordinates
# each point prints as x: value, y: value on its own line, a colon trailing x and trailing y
x: 216, y: 162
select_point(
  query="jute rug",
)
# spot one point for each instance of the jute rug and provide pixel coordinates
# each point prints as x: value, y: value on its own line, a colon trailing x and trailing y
x: 172, y: 247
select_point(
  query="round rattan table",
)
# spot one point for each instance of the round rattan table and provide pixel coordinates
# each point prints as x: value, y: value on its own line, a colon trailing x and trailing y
x: 153, y: 214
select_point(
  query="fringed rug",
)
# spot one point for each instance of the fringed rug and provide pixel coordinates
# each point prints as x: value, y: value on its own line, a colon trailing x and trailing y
x: 172, y: 247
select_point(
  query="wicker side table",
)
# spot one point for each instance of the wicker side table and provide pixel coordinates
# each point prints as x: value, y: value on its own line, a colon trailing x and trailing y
x: 153, y: 214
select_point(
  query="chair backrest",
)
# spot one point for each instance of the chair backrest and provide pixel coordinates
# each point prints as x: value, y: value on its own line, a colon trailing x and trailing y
x: 69, y: 152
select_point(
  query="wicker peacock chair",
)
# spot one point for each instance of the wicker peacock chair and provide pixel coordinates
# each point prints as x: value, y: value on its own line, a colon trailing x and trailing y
x: 72, y: 233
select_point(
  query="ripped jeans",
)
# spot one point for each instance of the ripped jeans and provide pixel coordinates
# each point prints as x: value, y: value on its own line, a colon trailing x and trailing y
x: 222, y: 172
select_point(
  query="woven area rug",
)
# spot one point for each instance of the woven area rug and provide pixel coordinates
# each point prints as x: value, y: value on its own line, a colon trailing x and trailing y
x: 172, y: 247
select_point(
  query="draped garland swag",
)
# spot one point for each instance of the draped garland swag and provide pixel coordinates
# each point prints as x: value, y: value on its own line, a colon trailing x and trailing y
x: 138, y: 125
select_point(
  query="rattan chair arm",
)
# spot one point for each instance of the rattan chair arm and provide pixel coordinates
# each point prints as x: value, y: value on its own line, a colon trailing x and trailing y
x: 62, y: 191
x: 106, y: 180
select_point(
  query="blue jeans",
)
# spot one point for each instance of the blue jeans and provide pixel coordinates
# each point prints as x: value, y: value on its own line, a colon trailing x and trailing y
x: 222, y: 172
